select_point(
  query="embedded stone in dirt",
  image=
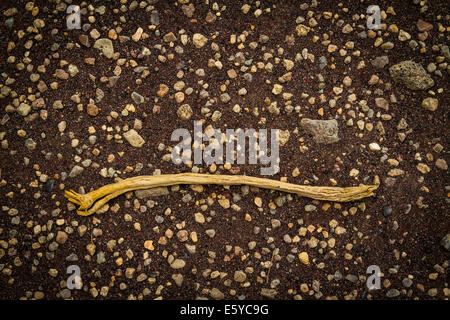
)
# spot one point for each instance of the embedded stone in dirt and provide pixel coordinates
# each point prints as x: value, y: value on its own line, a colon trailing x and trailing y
x: 232, y: 73
x: 269, y: 293
x: 137, y: 35
x: 323, y: 131
x: 76, y: 170
x: 24, y: 109
x: 216, y: 294
x: 224, y: 203
x: 92, y: 110
x: 137, y: 98
x: 303, y: 257
x: 277, y: 89
x: 302, y: 30
x: 199, y: 40
x: 283, y: 136
x: 185, y: 112
x: 239, y: 276
x: 199, y: 218
x: 178, y: 278
x: 38, y: 103
x: 170, y: 37
x: 445, y: 242
x: 380, y: 62
x: 430, y: 104
x: 84, y: 40
x: 61, y: 74
x: 188, y: 10
x: 412, y: 75
x: 178, y: 264
x: 154, y: 18
x: 105, y: 46
x: 382, y: 103
x: 441, y: 164
x: 424, y: 26
x: 61, y: 237
x: 134, y: 138
x: 163, y: 89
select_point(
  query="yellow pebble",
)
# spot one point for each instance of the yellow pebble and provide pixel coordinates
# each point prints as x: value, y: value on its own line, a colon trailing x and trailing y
x: 303, y: 257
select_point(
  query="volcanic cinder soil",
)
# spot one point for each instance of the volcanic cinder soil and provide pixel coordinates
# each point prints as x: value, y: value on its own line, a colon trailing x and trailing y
x: 81, y: 108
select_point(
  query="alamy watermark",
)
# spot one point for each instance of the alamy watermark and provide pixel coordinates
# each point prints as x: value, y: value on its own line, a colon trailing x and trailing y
x: 74, y: 280
x: 227, y: 147
x: 73, y: 20
x: 374, y: 280
x: 374, y: 20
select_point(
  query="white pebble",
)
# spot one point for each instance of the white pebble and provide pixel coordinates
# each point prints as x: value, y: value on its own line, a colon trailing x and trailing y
x: 374, y: 146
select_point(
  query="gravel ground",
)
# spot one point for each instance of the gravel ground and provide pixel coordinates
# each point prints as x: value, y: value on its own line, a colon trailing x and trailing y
x: 84, y: 108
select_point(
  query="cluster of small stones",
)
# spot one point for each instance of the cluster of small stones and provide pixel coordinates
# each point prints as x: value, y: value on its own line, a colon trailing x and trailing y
x: 309, y: 246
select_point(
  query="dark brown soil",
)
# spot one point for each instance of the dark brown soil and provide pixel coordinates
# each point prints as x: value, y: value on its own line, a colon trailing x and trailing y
x: 374, y: 239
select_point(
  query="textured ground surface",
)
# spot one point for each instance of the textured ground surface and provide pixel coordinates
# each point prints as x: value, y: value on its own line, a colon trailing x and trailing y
x: 65, y: 107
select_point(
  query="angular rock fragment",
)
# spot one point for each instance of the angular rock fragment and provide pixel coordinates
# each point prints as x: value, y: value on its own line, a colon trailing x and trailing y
x: 199, y: 40
x: 412, y: 75
x: 424, y: 26
x: 169, y: 37
x: 430, y: 104
x: 380, y: 62
x: 323, y: 131
x: 302, y: 30
x: 134, y: 138
x: 76, y: 170
x: 269, y: 293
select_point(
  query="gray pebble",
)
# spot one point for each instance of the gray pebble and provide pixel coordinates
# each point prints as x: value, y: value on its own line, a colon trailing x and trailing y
x: 432, y: 292
x: 362, y: 35
x: 407, y: 282
x: 9, y: 23
x: 30, y: 144
x: 137, y: 98
x: 53, y: 246
x: 159, y: 219
x: 337, y: 276
x: 392, y: 293
x: 445, y: 242
x: 72, y: 257
x: 65, y: 293
x: 101, y: 257
x: 352, y: 278
x: 48, y: 186
x: 322, y: 62
x: 76, y: 170
x: 154, y: 18
x: 290, y: 257
x: 408, y: 208
x: 387, y: 211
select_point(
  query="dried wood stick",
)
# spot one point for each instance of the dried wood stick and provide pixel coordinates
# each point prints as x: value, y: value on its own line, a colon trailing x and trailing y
x: 90, y: 202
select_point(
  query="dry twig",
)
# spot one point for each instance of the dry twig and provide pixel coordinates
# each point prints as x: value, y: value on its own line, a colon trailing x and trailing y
x: 89, y: 203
